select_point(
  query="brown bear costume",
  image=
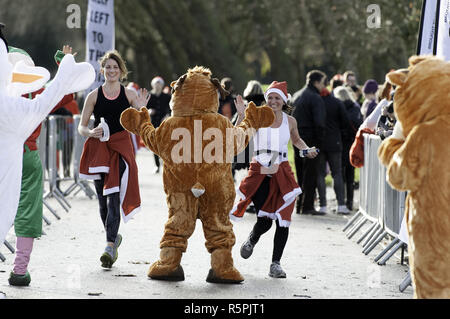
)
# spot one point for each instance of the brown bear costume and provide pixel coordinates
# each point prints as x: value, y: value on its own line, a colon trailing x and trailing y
x: 197, y: 146
x: 419, y: 162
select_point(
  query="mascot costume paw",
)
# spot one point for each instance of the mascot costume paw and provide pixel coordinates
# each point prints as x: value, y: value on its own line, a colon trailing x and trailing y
x: 197, y: 146
x: 19, y: 116
x: 417, y: 159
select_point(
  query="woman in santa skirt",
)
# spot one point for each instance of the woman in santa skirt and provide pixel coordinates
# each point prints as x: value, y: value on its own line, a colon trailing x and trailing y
x: 108, y: 154
x: 270, y: 183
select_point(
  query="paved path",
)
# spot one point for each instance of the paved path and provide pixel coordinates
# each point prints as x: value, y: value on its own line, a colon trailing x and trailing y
x: 319, y: 260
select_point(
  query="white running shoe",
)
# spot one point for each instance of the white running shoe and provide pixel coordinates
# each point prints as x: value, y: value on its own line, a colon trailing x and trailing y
x: 343, y: 210
x: 276, y: 271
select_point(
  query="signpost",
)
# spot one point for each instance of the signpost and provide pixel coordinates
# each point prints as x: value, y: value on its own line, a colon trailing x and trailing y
x: 100, y: 34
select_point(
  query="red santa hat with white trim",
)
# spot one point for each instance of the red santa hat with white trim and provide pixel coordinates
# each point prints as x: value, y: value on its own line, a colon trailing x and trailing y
x: 280, y: 88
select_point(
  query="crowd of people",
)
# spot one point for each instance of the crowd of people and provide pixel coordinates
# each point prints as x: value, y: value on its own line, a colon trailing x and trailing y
x: 320, y: 121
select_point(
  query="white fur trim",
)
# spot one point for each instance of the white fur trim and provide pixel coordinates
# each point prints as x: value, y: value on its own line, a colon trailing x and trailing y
x: 275, y: 216
x: 279, y: 92
x: 90, y: 177
x: 289, y: 198
x: 109, y: 191
x: 240, y: 194
x: 99, y: 169
x: 235, y: 218
x: 123, y: 191
x: 127, y: 218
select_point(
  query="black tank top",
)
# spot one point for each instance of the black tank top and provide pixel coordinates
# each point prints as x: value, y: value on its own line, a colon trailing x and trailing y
x: 110, y: 110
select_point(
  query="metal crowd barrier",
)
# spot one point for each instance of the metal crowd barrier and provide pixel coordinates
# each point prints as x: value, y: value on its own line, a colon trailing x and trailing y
x: 60, y: 147
x: 78, y: 144
x: 380, y: 205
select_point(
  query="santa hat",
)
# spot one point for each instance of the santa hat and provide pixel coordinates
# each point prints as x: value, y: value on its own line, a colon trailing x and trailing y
x: 280, y: 88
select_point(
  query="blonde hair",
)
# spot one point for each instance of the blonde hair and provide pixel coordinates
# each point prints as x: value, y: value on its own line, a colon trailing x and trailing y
x: 113, y: 54
x: 343, y: 94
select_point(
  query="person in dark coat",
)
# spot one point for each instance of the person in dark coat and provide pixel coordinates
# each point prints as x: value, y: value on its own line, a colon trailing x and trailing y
x: 331, y: 152
x: 348, y: 136
x: 159, y: 108
x: 309, y: 111
x: 227, y: 106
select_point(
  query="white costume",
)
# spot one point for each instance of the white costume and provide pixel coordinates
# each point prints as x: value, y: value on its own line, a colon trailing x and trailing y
x: 19, y: 117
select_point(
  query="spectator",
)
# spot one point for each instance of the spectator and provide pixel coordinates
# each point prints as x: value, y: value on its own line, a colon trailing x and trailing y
x: 337, y: 80
x: 386, y: 121
x: 331, y: 151
x: 348, y: 136
x: 351, y: 82
x: 309, y: 111
x: 227, y: 105
x: 159, y: 108
x: 370, y: 89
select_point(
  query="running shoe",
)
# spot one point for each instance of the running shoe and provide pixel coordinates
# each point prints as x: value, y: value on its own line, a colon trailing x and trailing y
x: 276, y: 271
x: 247, y: 247
x: 110, y: 255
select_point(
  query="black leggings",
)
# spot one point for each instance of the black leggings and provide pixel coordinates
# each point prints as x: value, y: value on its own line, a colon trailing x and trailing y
x: 109, y: 206
x: 263, y: 224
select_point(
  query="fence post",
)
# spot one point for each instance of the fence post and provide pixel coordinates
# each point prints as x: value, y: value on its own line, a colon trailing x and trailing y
x: 406, y: 282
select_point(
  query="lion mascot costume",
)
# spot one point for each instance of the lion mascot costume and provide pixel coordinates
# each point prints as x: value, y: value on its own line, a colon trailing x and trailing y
x: 417, y: 157
x: 197, y: 146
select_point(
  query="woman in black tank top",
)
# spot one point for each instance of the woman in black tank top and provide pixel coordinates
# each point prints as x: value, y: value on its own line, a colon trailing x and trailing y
x: 109, y: 101
x: 110, y: 110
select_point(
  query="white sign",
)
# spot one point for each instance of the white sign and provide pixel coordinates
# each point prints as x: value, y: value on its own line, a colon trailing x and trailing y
x: 443, y: 30
x: 100, y: 34
x: 427, y: 28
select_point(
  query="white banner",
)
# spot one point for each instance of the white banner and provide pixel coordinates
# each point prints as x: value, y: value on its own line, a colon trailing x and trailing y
x: 442, y: 48
x: 100, y: 34
x: 427, y: 27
